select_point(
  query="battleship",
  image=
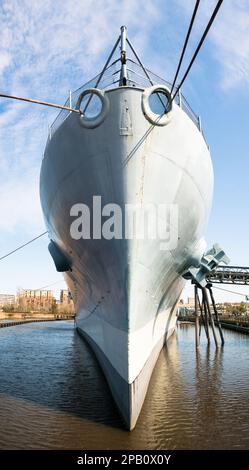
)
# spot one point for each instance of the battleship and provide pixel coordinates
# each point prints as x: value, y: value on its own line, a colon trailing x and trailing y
x: 130, y: 144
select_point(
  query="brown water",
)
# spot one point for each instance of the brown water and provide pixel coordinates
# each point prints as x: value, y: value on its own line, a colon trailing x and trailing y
x: 53, y: 395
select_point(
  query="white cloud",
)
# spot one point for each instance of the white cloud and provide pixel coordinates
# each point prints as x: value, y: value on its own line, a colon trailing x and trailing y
x: 5, y: 60
x: 20, y: 205
x: 231, y: 40
x: 228, y: 37
x: 47, y: 47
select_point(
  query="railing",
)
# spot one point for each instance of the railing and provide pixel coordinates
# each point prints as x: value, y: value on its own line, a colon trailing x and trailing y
x: 110, y: 79
x: 229, y: 275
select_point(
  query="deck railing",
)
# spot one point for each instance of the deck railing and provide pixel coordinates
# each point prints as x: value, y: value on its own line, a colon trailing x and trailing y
x: 110, y: 79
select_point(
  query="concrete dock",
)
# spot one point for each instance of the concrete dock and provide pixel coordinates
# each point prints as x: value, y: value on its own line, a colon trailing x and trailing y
x: 8, y: 323
x: 231, y: 324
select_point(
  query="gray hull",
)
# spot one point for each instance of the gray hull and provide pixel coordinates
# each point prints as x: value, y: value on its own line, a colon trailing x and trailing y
x: 126, y: 291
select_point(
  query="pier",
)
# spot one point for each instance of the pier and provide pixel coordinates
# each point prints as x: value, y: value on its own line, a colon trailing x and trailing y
x: 235, y: 327
x: 206, y: 314
x: 239, y: 325
x: 238, y: 275
x: 8, y: 323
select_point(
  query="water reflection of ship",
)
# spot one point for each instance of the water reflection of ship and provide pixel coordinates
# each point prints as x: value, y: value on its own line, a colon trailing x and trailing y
x: 185, y: 392
x: 208, y: 374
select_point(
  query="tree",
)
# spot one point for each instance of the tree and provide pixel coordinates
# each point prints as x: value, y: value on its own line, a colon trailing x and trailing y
x: 54, y: 306
x: 8, y: 308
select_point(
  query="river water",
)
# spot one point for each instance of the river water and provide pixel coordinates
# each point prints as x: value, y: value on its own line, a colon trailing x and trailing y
x: 53, y: 394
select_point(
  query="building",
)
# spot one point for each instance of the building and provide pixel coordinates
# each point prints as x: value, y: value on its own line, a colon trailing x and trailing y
x: 66, y: 304
x: 36, y: 300
x: 190, y: 302
x: 186, y: 308
x: 7, y: 299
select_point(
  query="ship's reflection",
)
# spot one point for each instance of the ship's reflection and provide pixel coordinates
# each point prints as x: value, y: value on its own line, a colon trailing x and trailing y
x: 184, y: 393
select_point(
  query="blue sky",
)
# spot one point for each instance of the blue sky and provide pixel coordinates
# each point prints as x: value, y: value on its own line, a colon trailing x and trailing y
x: 48, y: 47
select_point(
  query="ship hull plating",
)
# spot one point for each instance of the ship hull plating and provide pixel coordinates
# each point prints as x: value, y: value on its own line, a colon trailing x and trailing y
x: 126, y: 290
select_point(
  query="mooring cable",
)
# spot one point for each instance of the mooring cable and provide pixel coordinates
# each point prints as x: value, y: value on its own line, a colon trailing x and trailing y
x: 43, y: 103
x: 212, y: 18
x: 185, y: 43
x: 231, y: 292
x: 22, y: 246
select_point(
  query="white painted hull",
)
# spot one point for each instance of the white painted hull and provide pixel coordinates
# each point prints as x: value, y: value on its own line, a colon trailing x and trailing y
x: 125, y: 292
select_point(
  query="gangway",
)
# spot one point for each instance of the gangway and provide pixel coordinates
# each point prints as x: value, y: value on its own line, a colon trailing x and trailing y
x: 210, y: 271
x: 229, y: 275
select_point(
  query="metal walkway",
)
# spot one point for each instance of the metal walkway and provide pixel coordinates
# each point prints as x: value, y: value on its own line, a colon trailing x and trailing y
x: 229, y: 275
x: 206, y: 313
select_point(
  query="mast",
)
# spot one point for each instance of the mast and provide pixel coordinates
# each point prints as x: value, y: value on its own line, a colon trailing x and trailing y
x: 123, y: 73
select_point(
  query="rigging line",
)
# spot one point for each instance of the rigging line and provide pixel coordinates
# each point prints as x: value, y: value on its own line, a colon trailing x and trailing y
x: 185, y: 43
x: 43, y: 103
x: 139, y: 61
x: 103, y: 71
x: 50, y: 285
x: 44, y: 287
x: 22, y: 246
x: 143, y: 68
x: 231, y: 292
x: 218, y: 5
